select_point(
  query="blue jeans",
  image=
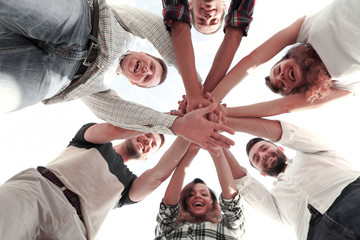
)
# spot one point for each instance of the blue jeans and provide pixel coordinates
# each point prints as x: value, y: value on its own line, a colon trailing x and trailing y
x: 42, y: 43
x: 342, y: 220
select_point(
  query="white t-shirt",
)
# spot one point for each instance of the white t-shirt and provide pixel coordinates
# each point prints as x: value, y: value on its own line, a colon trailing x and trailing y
x: 334, y: 32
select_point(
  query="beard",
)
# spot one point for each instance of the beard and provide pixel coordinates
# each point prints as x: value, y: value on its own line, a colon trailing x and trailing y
x: 278, y: 165
x: 131, y: 149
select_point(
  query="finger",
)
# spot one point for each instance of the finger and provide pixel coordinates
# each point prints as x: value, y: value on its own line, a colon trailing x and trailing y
x: 222, y: 140
x: 212, y: 149
x: 207, y: 109
x: 207, y: 95
x: 219, y: 143
x: 223, y: 128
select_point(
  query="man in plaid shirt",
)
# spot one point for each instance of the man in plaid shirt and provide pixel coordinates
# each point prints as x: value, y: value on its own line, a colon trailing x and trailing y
x: 207, y: 17
x: 35, y: 55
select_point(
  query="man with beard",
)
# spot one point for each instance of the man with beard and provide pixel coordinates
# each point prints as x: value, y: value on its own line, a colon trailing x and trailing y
x: 317, y: 191
x: 71, y: 196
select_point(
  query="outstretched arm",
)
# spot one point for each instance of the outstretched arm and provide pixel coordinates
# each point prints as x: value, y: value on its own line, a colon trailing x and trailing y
x: 237, y: 23
x: 236, y: 169
x: 172, y: 194
x: 291, y: 103
x: 270, y: 129
x: 225, y: 176
x: 260, y: 55
x: 223, y: 58
x: 152, y: 178
x: 105, y: 132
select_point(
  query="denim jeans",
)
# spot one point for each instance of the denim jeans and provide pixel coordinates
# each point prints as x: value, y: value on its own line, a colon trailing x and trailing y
x: 342, y: 220
x: 42, y: 43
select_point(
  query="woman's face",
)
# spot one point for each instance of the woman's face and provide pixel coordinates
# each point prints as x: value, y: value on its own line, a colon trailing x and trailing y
x: 199, y: 201
x: 285, y: 76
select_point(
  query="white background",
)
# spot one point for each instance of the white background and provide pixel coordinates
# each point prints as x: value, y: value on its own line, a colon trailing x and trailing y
x: 36, y: 135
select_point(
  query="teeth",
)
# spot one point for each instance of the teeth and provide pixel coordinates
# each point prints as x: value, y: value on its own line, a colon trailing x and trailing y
x: 198, y: 204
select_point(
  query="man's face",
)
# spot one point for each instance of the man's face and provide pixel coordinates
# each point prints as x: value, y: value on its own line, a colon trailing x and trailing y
x: 142, y: 146
x: 267, y: 158
x: 207, y: 14
x: 141, y: 69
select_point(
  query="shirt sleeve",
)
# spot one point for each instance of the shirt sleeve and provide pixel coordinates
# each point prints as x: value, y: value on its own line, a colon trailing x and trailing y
x: 149, y: 26
x: 79, y: 139
x: 302, y: 140
x: 175, y: 10
x: 233, y: 214
x: 110, y: 107
x: 258, y: 197
x: 166, y: 218
x: 240, y: 14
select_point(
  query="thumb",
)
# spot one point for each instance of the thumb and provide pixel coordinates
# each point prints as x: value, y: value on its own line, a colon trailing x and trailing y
x: 207, y: 109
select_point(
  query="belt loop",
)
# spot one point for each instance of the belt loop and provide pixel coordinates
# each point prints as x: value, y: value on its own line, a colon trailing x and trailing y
x: 315, y: 215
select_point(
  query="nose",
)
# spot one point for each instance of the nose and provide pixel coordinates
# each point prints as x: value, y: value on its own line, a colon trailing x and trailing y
x: 146, y: 70
x: 207, y: 16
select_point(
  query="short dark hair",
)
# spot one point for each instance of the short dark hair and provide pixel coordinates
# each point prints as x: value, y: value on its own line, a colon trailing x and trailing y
x: 252, y: 142
x: 162, y: 137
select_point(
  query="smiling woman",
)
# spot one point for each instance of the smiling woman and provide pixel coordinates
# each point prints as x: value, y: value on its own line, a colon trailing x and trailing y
x: 324, y: 66
x: 194, y: 211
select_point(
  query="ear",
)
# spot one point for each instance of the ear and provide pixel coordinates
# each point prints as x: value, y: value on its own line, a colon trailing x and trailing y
x: 281, y: 148
x: 263, y: 174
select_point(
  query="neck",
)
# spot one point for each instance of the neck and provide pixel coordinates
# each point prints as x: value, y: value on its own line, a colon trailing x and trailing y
x: 121, y: 150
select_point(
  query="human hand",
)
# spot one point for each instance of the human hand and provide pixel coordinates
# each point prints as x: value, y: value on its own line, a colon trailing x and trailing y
x: 195, y: 128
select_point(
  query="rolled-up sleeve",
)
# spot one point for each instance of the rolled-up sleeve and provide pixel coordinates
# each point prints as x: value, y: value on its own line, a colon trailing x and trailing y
x: 240, y: 14
x: 233, y: 214
x: 175, y: 10
x: 166, y: 218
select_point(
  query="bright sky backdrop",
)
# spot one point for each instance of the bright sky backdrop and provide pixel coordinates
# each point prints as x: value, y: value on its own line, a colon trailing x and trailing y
x: 36, y: 135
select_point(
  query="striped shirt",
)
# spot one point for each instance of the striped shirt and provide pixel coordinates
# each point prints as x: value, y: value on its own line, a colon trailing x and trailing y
x: 231, y: 226
x: 118, y: 26
x: 239, y: 13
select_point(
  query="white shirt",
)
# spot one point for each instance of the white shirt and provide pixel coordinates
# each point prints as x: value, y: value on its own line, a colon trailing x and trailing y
x: 334, y: 32
x: 316, y: 175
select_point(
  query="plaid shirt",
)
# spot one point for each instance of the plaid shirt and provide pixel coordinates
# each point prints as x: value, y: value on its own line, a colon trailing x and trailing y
x: 231, y: 226
x: 239, y: 13
x: 114, y: 41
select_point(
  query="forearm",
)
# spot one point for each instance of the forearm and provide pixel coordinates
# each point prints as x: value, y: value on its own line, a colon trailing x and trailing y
x: 223, y: 58
x: 270, y: 129
x: 105, y: 132
x: 172, y: 194
x: 152, y: 178
x: 237, y: 170
x: 185, y: 58
x: 225, y: 176
x: 111, y: 108
x: 287, y: 104
x: 233, y: 77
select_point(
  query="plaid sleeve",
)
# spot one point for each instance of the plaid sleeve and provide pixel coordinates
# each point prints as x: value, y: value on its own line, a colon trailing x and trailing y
x: 175, y: 10
x: 110, y: 107
x: 240, y: 14
x: 166, y: 217
x: 233, y: 214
